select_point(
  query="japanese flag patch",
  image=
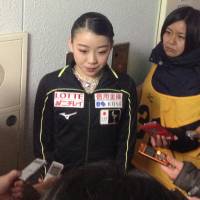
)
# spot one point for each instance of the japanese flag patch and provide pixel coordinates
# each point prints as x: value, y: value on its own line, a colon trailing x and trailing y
x: 110, y: 116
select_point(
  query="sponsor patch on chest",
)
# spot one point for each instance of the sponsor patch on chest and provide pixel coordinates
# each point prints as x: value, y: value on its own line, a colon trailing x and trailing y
x: 110, y: 116
x: 69, y: 99
x: 108, y: 100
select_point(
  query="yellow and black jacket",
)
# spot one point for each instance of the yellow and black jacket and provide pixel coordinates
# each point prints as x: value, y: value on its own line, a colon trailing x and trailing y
x: 171, y: 96
x: 75, y: 128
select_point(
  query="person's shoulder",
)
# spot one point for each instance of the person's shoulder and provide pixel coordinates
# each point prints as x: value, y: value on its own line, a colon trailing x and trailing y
x: 54, y: 75
x: 51, y: 79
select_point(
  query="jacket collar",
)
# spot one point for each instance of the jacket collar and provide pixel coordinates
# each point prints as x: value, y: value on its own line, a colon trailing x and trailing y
x: 107, y: 79
x: 191, y: 59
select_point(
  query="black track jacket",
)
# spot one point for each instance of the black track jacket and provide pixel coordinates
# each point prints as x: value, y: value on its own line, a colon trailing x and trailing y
x: 75, y: 128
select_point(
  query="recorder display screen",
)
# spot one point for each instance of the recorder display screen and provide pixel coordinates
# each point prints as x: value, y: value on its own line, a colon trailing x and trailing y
x: 55, y: 170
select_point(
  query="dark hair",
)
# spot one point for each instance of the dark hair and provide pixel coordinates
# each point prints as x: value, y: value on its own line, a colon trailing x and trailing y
x: 94, y: 22
x: 191, y: 17
x: 104, y: 181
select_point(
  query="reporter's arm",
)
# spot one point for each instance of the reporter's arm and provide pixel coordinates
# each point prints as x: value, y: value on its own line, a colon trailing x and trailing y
x: 185, y: 175
x: 6, y: 181
x: 189, y: 179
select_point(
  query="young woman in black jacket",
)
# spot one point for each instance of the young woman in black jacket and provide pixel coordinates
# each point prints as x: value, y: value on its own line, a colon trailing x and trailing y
x: 85, y: 112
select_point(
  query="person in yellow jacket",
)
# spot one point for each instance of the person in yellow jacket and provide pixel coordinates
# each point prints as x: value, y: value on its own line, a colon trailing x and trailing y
x: 170, y: 93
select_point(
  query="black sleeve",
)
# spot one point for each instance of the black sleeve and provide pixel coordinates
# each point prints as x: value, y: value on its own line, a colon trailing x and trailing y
x: 189, y: 179
x: 43, y: 122
x: 127, y: 127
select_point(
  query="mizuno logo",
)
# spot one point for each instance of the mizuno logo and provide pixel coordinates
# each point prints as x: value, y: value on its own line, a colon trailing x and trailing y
x: 67, y: 116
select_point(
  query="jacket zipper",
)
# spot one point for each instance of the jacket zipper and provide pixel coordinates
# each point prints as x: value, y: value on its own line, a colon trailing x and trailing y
x: 88, y: 130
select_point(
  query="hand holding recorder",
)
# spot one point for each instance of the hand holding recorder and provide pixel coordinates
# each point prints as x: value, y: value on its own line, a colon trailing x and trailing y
x: 153, y: 129
x: 24, y: 190
x: 153, y: 154
x: 53, y: 171
x: 160, y: 136
x: 174, y: 168
x: 6, y: 184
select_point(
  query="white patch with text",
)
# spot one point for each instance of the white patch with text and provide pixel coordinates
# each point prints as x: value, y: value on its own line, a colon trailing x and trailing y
x: 108, y: 100
x: 69, y: 99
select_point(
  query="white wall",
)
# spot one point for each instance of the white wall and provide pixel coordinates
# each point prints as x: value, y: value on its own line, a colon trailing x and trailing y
x: 11, y: 16
x: 48, y: 23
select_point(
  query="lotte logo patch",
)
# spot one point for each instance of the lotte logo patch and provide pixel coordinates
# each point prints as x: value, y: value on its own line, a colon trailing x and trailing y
x: 69, y: 99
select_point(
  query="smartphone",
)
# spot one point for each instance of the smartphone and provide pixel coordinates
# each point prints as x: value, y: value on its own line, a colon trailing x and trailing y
x: 32, y: 168
x: 153, y: 154
x: 54, y: 170
x: 153, y: 128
